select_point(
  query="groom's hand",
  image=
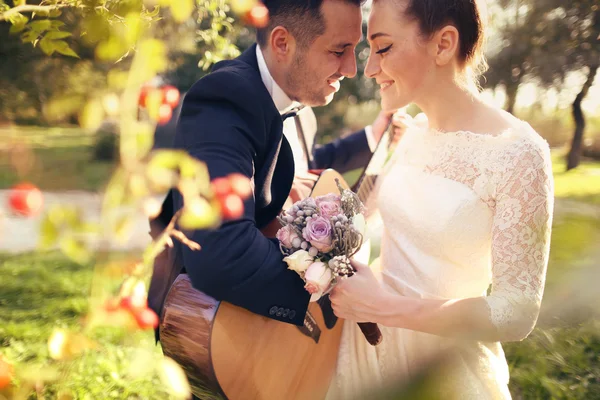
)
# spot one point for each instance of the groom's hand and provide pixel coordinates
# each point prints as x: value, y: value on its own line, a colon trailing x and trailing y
x: 381, y: 123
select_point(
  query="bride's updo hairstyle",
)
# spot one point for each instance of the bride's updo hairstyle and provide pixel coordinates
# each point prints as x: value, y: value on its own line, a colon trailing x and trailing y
x: 467, y: 16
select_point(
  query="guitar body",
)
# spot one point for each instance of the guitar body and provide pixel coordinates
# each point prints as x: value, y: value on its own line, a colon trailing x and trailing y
x: 228, y: 352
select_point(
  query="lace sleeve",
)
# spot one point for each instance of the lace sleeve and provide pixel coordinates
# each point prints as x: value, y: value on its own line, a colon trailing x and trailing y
x: 521, y: 239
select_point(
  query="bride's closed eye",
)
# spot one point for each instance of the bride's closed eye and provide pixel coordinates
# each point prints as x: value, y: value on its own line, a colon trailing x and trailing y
x: 384, y: 50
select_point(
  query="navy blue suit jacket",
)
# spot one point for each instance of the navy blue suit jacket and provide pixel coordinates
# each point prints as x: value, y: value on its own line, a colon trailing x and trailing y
x: 229, y: 121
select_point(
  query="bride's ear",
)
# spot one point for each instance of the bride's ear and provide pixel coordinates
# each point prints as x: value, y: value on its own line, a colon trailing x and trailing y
x: 446, y: 44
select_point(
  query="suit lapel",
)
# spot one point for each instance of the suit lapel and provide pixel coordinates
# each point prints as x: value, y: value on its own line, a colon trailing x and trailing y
x: 275, y: 177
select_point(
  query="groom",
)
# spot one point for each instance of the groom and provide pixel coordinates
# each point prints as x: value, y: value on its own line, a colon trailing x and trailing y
x: 234, y: 120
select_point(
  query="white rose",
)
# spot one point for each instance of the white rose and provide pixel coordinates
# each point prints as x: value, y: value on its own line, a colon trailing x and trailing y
x: 318, y: 278
x: 359, y: 223
x: 299, y: 261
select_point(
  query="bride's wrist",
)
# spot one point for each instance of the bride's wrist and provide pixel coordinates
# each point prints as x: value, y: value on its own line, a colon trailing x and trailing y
x: 395, y: 310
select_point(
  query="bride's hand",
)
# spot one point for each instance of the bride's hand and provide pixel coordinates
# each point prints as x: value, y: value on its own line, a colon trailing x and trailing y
x: 360, y: 298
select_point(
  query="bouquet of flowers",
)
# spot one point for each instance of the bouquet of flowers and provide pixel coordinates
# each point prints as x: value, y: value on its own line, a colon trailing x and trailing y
x: 319, y: 236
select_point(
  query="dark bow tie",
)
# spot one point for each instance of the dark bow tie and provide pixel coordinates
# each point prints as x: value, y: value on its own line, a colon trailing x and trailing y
x: 292, y: 113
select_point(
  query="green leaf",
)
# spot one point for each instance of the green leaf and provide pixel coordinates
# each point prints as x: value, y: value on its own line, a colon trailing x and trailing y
x: 153, y: 52
x: 56, y: 24
x: 19, y: 21
x: 57, y: 35
x: 47, y: 46
x: 182, y: 10
x: 29, y: 37
x: 114, y: 195
x: 168, y: 159
x: 110, y: 50
x: 48, y: 234
x: 198, y: 214
x: 63, y: 48
x: 133, y: 24
x: 174, y: 379
x: 16, y: 28
x: 122, y: 228
x: 92, y: 115
x: 55, y: 13
x: 144, y: 140
x: 40, y: 26
x: 76, y: 250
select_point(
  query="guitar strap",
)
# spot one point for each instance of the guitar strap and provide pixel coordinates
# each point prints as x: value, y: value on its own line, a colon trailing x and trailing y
x: 294, y: 112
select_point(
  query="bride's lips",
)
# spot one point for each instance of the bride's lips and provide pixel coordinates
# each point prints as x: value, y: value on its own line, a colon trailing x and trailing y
x: 385, y: 85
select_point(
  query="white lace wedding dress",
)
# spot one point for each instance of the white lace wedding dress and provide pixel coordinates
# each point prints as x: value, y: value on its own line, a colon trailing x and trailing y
x: 461, y: 211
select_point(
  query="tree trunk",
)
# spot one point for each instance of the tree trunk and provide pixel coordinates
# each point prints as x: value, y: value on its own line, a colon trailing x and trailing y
x: 511, y: 96
x: 574, y: 156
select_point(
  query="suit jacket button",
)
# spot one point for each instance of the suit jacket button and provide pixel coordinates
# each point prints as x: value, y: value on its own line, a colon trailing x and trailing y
x: 292, y: 314
x: 273, y: 310
x: 279, y: 312
x: 286, y: 312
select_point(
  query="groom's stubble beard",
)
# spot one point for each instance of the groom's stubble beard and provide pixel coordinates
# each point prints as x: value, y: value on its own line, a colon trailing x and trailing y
x: 303, y: 85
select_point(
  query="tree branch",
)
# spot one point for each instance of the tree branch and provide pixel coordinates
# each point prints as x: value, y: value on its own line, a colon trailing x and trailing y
x: 30, y: 8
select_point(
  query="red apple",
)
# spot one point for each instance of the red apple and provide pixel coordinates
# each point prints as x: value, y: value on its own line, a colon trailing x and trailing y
x: 133, y: 303
x: 112, y: 305
x: 144, y: 90
x: 165, y: 112
x: 171, y: 96
x: 240, y: 185
x: 221, y: 187
x: 146, y: 318
x: 258, y: 16
x: 232, y: 206
x: 6, y: 373
x: 25, y: 199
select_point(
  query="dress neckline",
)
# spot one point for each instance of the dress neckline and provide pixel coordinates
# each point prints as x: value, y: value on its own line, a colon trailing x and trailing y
x: 439, y: 132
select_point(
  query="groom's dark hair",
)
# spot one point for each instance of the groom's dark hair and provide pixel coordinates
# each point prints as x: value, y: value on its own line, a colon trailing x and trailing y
x: 302, y: 18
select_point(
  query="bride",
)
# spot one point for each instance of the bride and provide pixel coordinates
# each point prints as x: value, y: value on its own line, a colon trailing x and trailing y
x: 466, y: 205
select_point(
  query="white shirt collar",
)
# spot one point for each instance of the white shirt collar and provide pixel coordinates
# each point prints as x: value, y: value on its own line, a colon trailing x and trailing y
x: 281, y: 100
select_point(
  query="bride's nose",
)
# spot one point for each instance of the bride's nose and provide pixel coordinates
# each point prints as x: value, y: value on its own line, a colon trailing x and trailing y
x: 372, y: 68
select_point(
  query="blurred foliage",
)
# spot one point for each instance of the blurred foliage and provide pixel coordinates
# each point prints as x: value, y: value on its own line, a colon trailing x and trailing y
x: 128, y: 42
x: 48, y: 291
x: 42, y: 90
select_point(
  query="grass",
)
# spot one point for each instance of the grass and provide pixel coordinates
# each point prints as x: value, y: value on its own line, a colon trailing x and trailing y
x: 53, y: 159
x: 561, y: 358
x: 581, y: 183
x: 42, y: 291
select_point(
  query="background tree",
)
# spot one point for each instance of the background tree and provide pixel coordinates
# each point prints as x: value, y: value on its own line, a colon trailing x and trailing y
x: 548, y: 40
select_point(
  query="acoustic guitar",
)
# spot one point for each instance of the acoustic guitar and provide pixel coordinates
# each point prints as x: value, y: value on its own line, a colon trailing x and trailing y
x: 228, y: 352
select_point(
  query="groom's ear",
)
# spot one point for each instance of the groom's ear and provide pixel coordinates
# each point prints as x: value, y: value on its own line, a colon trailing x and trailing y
x: 446, y: 44
x: 282, y: 44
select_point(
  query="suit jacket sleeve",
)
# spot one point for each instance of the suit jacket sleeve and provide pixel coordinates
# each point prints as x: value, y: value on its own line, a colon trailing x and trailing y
x: 344, y: 154
x: 237, y: 263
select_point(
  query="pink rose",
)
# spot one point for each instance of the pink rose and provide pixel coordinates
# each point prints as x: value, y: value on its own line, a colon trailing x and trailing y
x: 318, y: 232
x: 318, y: 278
x: 328, y: 198
x: 329, y: 205
x: 330, y: 209
x: 286, y: 236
